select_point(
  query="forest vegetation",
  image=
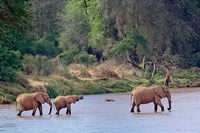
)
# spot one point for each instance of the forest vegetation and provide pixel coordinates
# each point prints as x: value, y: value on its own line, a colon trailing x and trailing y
x: 97, y: 46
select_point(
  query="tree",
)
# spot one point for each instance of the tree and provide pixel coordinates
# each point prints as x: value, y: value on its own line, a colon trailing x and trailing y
x: 168, y: 24
x: 47, y: 25
x: 76, y: 26
x: 130, y: 45
x: 14, y: 22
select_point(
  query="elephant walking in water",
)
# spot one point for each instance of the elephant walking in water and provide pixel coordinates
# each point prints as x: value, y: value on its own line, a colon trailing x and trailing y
x: 144, y: 95
x: 33, y: 101
x: 65, y: 101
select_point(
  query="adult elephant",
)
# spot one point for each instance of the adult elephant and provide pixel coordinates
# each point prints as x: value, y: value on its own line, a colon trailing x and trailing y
x: 144, y: 95
x: 66, y: 101
x: 32, y: 101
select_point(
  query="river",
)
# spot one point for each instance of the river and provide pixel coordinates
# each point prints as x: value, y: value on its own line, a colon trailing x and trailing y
x: 94, y: 115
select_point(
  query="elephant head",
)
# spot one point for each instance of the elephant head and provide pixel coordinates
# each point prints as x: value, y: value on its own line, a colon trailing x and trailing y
x: 43, y: 97
x: 73, y: 99
x: 163, y: 91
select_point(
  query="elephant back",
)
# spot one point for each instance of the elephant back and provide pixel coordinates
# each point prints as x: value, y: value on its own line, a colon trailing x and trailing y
x: 60, y: 101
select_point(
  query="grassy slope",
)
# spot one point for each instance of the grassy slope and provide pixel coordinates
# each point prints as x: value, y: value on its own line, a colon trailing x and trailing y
x: 104, y: 78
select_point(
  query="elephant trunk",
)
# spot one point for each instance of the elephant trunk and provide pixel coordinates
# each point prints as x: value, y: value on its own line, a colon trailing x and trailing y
x: 50, y: 104
x: 169, y: 101
x: 81, y: 97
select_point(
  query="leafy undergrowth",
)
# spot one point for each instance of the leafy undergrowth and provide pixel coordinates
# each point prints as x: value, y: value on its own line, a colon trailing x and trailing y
x: 104, y: 78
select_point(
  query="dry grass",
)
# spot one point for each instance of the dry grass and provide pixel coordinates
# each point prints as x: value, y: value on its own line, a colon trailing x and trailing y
x: 36, y: 83
x: 105, y: 70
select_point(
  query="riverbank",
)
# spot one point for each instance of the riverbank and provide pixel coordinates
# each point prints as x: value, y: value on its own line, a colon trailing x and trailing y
x: 97, y: 80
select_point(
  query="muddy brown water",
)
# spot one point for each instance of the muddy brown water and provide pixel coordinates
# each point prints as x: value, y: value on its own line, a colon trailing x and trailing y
x: 95, y: 115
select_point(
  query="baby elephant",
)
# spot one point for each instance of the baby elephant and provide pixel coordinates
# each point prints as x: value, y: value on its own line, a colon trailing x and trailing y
x: 65, y: 101
x: 144, y: 95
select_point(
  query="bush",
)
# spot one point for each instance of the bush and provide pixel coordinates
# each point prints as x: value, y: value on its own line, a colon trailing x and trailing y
x: 45, y: 46
x: 43, y: 65
x: 69, y: 56
x: 59, y: 87
x: 147, y: 74
x: 86, y: 59
x: 39, y: 65
x: 29, y: 64
x: 22, y: 80
x: 51, y: 91
x: 104, y: 72
x: 9, y: 65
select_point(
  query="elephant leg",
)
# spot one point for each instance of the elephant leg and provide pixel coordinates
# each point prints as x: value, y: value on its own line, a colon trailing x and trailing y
x: 35, y: 106
x: 19, y: 113
x: 57, y: 113
x: 40, y: 109
x: 161, y: 106
x: 20, y: 110
x: 68, y: 112
x: 158, y: 102
x: 138, y: 108
x: 155, y: 107
x: 133, y: 106
x: 58, y: 109
x: 34, y: 110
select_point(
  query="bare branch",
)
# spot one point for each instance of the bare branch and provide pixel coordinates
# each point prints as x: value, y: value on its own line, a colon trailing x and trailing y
x: 168, y: 74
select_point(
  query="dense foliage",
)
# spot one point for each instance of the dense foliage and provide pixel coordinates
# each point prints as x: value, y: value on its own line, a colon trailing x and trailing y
x: 9, y: 65
x: 65, y: 29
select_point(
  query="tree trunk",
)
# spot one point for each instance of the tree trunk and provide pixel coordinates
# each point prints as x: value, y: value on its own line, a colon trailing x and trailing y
x: 121, y: 27
x: 154, y: 70
x: 168, y: 77
x: 143, y: 62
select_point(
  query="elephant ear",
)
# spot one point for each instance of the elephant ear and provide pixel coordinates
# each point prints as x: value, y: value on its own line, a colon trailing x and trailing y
x: 70, y: 99
x: 160, y: 92
x: 165, y: 89
x: 45, y: 95
x: 39, y: 97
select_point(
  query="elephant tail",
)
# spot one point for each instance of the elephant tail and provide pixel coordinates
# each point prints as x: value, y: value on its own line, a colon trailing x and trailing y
x: 132, y: 98
x: 54, y: 106
x: 16, y: 105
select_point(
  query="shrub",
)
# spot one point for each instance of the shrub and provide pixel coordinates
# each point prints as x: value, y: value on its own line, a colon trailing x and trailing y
x: 29, y: 64
x: 51, y: 91
x: 84, y: 73
x: 39, y: 65
x: 86, y: 59
x: 104, y: 72
x: 22, y: 80
x: 9, y: 65
x: 69, y: 56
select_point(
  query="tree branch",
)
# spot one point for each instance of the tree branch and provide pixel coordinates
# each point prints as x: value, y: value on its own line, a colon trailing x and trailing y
x: 155, y: 66
x: 86, y: 6
x: 195, y: 51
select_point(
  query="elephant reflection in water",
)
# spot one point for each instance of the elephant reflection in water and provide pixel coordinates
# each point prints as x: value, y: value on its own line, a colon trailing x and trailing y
x: 144, y: 95
x: 66, y: 101
x: 32, y: 101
